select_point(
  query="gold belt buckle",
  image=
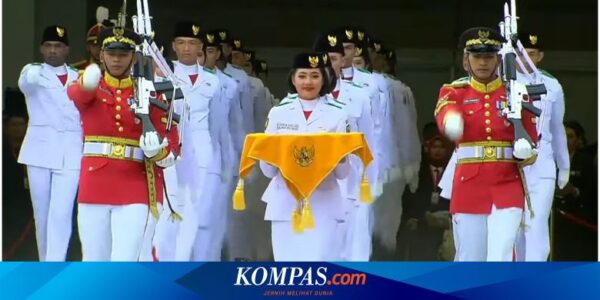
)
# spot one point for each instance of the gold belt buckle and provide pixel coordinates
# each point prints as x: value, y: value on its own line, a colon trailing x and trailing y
x: 489, y: 152
x: 118, y: 151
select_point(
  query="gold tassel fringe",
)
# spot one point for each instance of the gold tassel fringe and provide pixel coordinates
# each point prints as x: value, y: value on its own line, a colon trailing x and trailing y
x: 365, y: 191
x: 239, y: 203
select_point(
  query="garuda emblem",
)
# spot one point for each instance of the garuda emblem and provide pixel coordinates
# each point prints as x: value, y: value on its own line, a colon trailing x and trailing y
x: 304, y: 156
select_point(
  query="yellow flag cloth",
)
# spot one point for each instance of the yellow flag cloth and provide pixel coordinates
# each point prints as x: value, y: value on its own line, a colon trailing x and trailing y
x: 304, y: 160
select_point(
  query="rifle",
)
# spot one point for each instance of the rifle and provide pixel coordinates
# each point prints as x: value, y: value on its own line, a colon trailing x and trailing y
x: 519, y: 96
x: 146, y: 90
x: 122, y: 15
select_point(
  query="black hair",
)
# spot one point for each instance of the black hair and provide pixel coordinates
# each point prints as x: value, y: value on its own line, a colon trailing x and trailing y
x: 430, y: 130
x: 579, y: 131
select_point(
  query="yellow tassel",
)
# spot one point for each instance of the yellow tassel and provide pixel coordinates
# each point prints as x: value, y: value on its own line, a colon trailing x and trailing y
x: 297, y: 222
x: 308, y: 221
x: 239, y: 203
x: 365, y: 191
x: 175, y: 217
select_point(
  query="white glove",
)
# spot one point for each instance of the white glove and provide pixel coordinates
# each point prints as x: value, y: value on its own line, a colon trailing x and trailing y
x: 167, y: 161
x: 411, y: 174
x: 522, y: 149
x: 33, y: 74
x: 150, y: 143
x: 91, y: 77
x: 563, y: 178
x: 453, y: 126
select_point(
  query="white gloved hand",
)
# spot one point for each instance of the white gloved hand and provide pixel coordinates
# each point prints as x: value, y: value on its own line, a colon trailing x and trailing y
x: 563, y: 178
x: 411, y: 175
x: 33, y: 73
x: 522, y: 149
x: 151, y: 145
x: 167, y: 161
x: 453, y: 126
x: 91, y: 77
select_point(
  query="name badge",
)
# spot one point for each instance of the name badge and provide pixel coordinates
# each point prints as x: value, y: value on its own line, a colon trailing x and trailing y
x: 435, y: 198
x: 287, y: 126
x: 471, y: 101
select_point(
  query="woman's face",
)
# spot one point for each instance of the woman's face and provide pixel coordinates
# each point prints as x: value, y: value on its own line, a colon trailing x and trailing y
x: 308, y: 83
x: 359, y: 62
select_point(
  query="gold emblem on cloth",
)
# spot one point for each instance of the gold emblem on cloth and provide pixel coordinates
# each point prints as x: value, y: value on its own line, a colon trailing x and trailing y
x: 304, y: 156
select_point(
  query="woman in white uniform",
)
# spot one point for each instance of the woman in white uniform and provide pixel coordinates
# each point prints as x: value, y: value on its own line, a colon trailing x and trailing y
x: 306, y: 110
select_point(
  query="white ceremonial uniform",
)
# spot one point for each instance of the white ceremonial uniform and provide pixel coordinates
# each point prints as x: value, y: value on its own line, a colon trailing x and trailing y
x: 410, y: 147
x: 355, y: 239
x: 200, y: 168
x: 383, y: 144
x: 541, y: 176
x: 233, y: 226
x: 388, y: 208
x: 52, y: 150
x: 259, y: 93
x: 234, y: 142
x: 247, y: 101
x: 365, y: 79
x: 362, y: 251
x: 327, y: 202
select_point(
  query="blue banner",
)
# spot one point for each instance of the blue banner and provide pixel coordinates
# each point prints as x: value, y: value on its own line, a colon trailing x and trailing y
x: 385, y: 280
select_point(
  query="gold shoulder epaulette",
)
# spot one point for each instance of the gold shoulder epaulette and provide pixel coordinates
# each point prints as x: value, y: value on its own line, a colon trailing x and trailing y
x: 459, y: 83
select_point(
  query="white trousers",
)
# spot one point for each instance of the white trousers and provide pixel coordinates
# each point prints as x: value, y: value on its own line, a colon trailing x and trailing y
x: 224, y: 196
x: 191, y: 190
x: 193, y: 240
x: 53, y: 195
x: 207, y: 243
x: 533, y: 243
x: 317, y: 244
x: 388, y: 212
x: 359, y: 233
x: 482, y: 237
x: 114, y: 232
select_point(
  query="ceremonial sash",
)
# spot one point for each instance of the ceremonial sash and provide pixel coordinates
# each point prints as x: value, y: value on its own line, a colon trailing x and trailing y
x: 304, y: 161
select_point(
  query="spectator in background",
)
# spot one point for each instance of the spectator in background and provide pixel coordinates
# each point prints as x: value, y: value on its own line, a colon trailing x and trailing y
x: 18, y: 238
x: 426, y: 216
x: 576, y: 208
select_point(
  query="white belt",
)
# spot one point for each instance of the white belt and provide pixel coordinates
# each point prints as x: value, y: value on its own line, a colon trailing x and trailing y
x: 111, y: 150
x: 484, y: 152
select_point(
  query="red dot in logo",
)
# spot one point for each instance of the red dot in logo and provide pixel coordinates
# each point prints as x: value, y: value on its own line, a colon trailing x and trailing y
x: 328, y: 282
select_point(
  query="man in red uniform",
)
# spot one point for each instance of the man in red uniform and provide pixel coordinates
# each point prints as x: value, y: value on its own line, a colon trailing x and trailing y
x: 121, y: 183
x: 488, y: 194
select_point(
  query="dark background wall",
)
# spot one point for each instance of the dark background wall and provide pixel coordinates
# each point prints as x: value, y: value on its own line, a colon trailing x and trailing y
x: 424, y: 34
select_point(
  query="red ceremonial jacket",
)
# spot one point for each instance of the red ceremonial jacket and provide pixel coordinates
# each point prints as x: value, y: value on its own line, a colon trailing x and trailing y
x: 479, y: 184
x: 116, y: 179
